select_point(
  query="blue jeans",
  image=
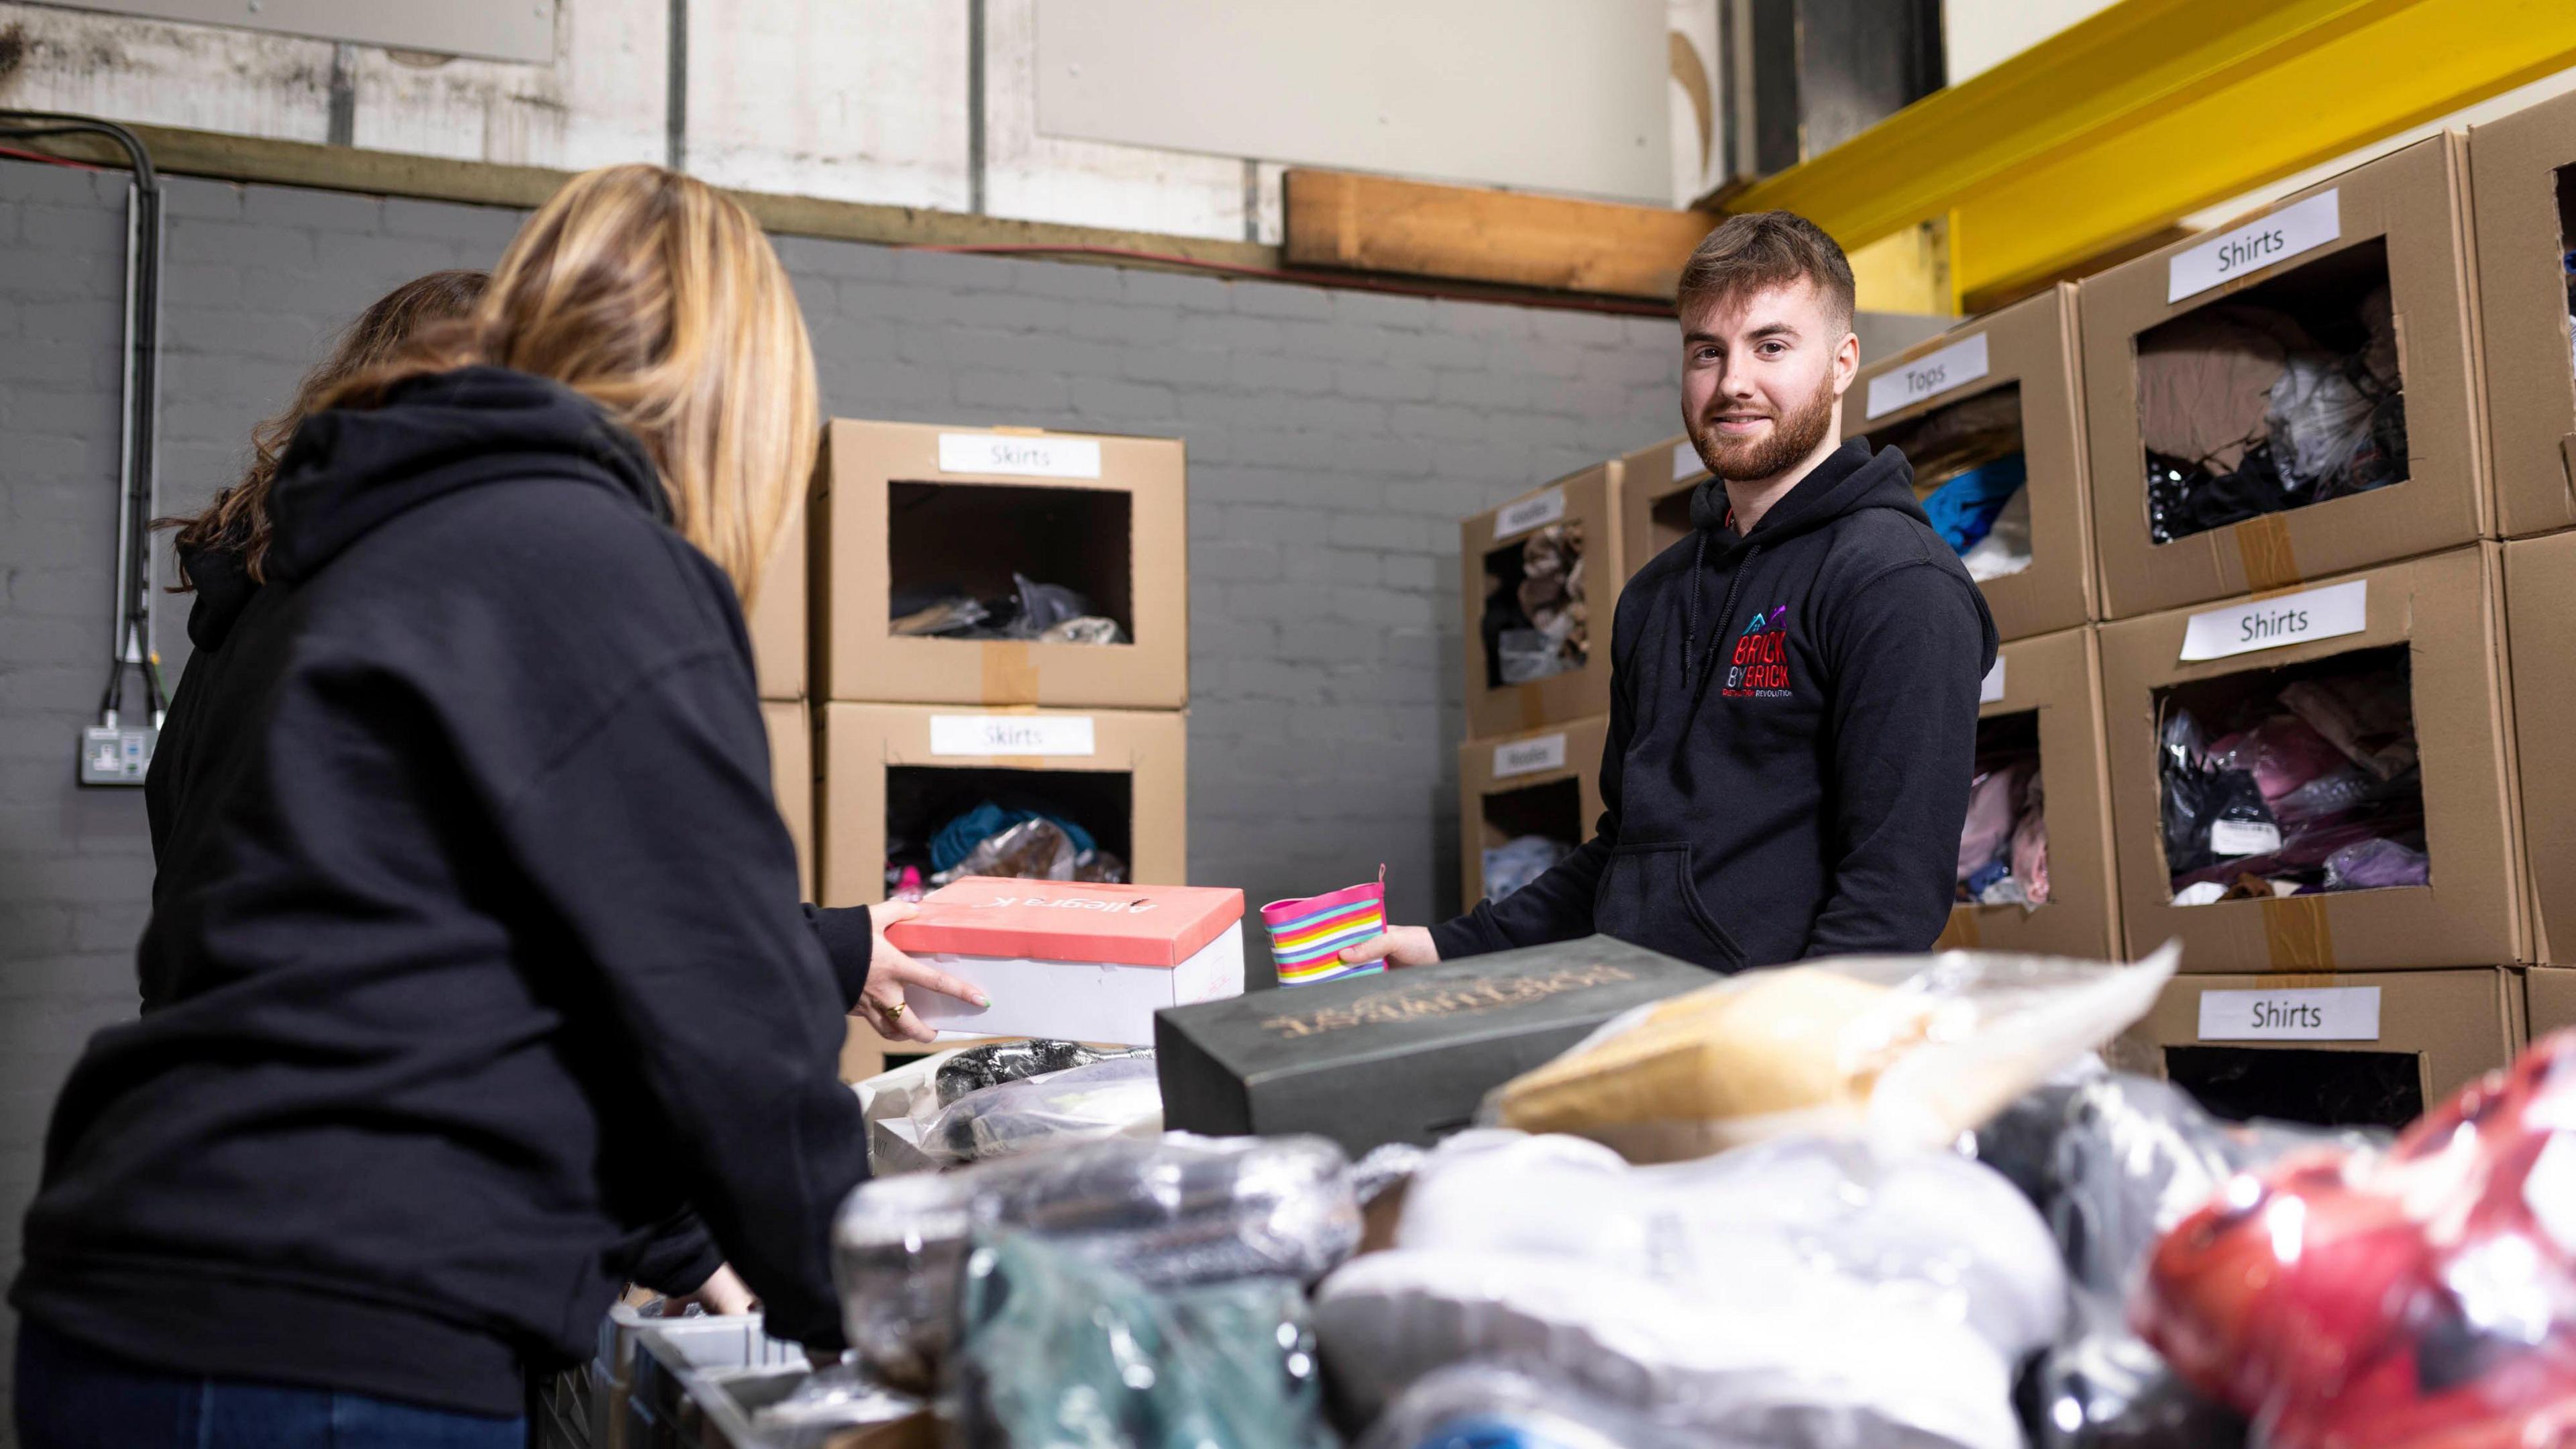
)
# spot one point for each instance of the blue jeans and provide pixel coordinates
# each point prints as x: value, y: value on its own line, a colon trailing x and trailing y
x: 71, y: 1397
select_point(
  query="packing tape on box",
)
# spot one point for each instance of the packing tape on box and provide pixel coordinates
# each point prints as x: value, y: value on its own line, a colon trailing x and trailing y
x: 2263, y: 542
x: 1961, y: 934
x: 1009, y: 676
x: 2296, y: 935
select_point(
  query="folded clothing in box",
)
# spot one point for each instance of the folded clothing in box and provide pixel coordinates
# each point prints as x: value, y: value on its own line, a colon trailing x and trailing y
x: 1402, y: 1057
x: 1073, y: 959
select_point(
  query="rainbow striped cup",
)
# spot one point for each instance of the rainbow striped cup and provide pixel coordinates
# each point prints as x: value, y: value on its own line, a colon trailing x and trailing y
x: 1307, y: 936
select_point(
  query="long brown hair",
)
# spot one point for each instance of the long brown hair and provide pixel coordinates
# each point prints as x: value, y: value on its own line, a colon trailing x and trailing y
x: 658, y: 298
x: 237, y: 519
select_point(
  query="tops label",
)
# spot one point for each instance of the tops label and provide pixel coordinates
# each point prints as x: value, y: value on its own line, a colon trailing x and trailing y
x: 981, y: 735
x: 1528, y: 757
x: 1992, y: 691
x: 2258, y: 244
x: 1686, y: 463
x: 1930, y: 375
x: 2277, y: 623
x: 1530, y: 513
x: 1018, y: 456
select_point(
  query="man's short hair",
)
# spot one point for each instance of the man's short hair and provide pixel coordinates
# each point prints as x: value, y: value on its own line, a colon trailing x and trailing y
x: 1768, y: 249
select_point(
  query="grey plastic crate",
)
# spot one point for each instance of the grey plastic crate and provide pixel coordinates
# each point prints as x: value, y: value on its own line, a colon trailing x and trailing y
x: 670, y: 1355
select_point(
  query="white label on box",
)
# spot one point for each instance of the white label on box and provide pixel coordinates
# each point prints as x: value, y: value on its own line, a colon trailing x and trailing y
x: 1019, y: 456
x: 1528, y: 757
x: 2278, y: 622
x: 1992, y: 691
x: 2234, y: 838
x: 1930, y: 375
x: 2325, y: 1013
x: 1530, y: 513
x: 1010, y: 734
x: 2256, y: 245
x: 1686, y: 463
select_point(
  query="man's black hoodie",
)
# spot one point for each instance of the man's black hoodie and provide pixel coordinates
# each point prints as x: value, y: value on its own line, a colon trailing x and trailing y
x: 1793, y: 722
x: 476, y: 954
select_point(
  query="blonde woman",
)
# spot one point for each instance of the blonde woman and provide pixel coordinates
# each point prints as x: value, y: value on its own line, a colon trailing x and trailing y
x: 475, y: 958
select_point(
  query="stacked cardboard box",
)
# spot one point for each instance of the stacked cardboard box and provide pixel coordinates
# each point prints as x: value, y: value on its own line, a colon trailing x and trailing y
x: 2369, y: 280
x: 1530, y: 768
x: 777, y: 624
x: 915, y: 727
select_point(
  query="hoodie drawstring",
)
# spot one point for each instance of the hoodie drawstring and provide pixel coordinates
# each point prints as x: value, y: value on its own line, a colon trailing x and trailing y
x: 1690, y: 624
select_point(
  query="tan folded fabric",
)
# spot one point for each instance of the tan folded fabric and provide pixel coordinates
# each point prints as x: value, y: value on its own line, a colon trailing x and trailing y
x: 1788, y: 1040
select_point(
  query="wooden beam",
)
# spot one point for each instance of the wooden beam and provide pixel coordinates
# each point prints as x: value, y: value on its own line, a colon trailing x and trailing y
x: 224, y: 157
x: 1378, y: 224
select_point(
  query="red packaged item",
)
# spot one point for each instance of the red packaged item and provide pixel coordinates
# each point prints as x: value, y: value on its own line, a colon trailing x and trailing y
x: 2421, y: 1298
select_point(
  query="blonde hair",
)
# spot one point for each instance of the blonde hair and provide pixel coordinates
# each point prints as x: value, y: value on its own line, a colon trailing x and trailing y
x: 658, y: 298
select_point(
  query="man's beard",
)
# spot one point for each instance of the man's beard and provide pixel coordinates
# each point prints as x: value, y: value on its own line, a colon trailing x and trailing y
x: 1791, y: 439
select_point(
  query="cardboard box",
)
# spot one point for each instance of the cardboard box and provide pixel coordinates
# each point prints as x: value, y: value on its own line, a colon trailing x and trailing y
x: 2550, y: 996
x: 2540, y: 602
x: 2028, y: 348
x: 1120, y: 774
x: 900, y: 506
x: 1402, y: 1057
x: 777, y: 618
x: 2379, y: 1048
x: 2410, y: 208
x: 2523, y: 232
x: 2050, y: 688
x: 1591, y: 498
x: 1067, y: 959
x: 2444, y: 617
x: 1655, y: 487
x: 791, y: 780
x: 1539, y: 782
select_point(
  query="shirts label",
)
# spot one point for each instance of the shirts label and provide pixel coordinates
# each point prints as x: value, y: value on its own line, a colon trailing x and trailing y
x: 1530, y: 513
x: 2328, y: 1013
x: 2276, y: 623
x: 2257, y: 244
x: 1992, y: 691
x: 1686, y: 463
x: 1930, y: 375
x: 1019, y: 457
x: 981, y: 735
x: 1528, y: 757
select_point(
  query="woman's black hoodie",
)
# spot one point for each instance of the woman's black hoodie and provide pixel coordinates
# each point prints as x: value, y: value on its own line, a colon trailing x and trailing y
x: 1793, y: 726
x: 475, y: 953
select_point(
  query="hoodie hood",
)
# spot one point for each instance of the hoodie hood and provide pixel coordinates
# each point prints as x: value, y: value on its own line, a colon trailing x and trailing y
x: 349, y: 471
x: 1848, y: 480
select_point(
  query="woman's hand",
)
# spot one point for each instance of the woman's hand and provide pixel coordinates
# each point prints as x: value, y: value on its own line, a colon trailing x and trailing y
x: 1396, y: 946
x: 723, y: 1292
x: 881, y: 1004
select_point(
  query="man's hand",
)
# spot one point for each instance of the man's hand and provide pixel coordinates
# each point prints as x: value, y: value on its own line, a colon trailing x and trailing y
x: 1396, y: 946
x: 890, y: 971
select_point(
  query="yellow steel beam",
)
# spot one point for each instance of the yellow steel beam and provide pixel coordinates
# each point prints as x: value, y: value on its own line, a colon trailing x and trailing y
x: 2121, y: 125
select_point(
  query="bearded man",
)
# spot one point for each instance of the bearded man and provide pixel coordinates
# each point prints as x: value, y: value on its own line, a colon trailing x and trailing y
x: 1793, y: 714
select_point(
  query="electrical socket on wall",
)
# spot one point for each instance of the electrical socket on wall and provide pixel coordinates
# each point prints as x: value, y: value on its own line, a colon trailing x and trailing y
x: 116, y: 754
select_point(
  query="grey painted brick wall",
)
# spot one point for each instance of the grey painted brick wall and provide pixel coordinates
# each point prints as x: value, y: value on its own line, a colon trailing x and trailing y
x: 1335, y: 439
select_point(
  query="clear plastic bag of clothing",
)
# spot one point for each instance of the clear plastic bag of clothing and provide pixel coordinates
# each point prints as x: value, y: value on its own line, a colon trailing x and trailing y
x: 1057, y: 1349
x: 2420, y: 1297
x: 1818, y: 1291
x: 1176, y: 1209
x: 1909, y: 1051
x: 1117, y: 1097
x: 1500, y: 1405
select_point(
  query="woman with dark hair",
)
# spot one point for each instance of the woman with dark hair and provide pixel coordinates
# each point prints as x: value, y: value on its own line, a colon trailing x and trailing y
x: 226, y: 545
